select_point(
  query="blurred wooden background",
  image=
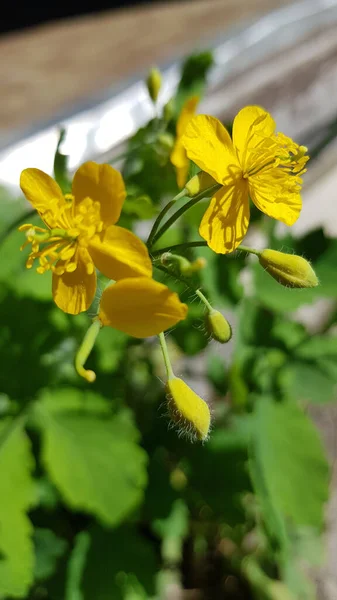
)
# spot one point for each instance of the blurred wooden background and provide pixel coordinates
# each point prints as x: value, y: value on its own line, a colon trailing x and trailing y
x: 45, y: 70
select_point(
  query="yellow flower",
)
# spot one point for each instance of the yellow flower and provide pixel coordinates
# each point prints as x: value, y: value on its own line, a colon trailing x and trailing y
x: 178, y: 156
x: 81, y: 234
x: 140, y: 307
x: 258, y: 163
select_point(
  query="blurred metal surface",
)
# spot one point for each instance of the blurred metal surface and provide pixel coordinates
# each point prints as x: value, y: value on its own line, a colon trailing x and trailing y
x: 253, y: 63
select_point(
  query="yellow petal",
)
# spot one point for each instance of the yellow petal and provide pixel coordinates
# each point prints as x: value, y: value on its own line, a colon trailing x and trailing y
x: 250, y: 127
x: 225, y: 222
x: 140, y: 307
x: 103, y: 184
x: 186, y: 114
x: 44, y: 194
x: 271, y: 193
x: 74, y: 292
x: 118, y: 253
x: 209, y: 145
x: 181, y: 162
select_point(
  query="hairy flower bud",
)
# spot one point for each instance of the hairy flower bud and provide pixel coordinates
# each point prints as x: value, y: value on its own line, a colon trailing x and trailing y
x: 218, y: 326
x: 188, y: 411
x: 153, y: 83
x: 182, y: 265
x: 200, y: 182
x: 288, y: 269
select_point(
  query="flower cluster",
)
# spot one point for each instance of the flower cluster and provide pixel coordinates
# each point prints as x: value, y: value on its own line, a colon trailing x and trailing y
x: 80, y: 236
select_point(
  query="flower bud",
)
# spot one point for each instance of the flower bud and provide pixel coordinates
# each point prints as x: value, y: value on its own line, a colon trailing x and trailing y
x: 168, y: 110
x: 196, y: 265
x: 188, y: 411
x: 288, y: 269
x: 218, y: 326
x: 182, y: 265
x: 153, y: 83
x: 200, y: 182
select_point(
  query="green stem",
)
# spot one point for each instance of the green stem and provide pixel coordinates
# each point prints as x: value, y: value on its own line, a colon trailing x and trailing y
x: 184, y: 246
x: 204, y: 194
x: 85, y: 349
x: 162, y: 215
x: 197, y: 244
x: 204, y: 300
x: 249, y: 250
x: 164, y: 349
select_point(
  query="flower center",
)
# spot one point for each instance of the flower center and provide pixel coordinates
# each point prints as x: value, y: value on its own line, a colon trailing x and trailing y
x: 49, y: 246
x: 70, y: 227
x: 277, y: 152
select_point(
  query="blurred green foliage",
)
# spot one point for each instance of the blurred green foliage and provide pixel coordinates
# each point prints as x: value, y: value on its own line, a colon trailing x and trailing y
x: 99, y: 499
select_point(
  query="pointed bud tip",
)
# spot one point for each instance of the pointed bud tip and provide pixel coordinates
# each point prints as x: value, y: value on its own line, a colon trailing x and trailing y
x: 218, y: 326
x: 200, y: 182
x: 187, y: 410
x: 289, y: 270
x: 168, y: 110
x: 153, y: 83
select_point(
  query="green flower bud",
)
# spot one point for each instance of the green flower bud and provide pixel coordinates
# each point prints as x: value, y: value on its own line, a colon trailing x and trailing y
x: 288, y: 269
x: 153, y: 83
x: 201, y: 181
x: 218, y: 326
x: 168, y: 110
x: 182, y: 265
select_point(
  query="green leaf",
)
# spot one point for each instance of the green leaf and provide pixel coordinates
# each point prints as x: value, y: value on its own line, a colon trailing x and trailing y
x: 288, y: 333
x: 307, y: 381
x: 290, y: 475
x: 48, y: 548
x: 319, y: 346
x: 285, y: 449
x: 90, y: 453
x: 114, y: 560
x: 16, y: 496
x: 218, y: 475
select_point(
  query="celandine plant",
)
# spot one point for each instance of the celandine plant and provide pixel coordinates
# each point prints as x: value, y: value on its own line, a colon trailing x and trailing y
x: 81, y: 234
x: 99, y: 498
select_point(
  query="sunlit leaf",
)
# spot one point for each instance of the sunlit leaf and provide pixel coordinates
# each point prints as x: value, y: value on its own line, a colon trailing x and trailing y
x: 16, y: 496
x: 285, y: 449
x: 90, y: 454
x: 308, y: 382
